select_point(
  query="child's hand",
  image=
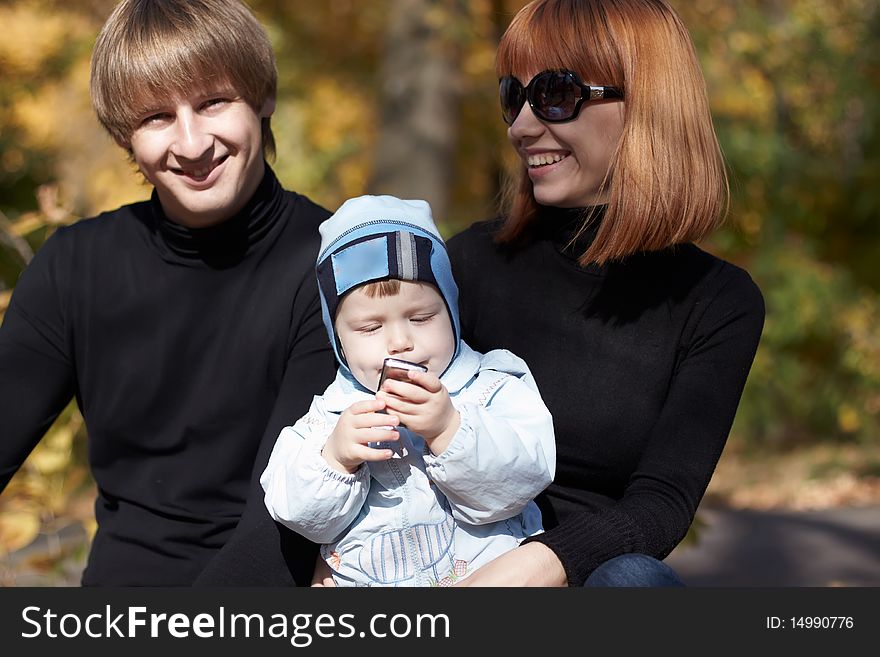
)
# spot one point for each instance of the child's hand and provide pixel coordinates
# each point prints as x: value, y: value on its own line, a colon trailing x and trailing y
x: 347, y: 448
x: 422, y: 404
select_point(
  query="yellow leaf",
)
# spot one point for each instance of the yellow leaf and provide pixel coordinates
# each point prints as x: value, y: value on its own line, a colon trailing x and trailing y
x: 33, y: 37
x: 50, y: 458
x: 91, y: 526
x: 848, y: 419
x: 18, y: 529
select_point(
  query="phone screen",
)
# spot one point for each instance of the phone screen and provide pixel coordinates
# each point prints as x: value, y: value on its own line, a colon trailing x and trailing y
x: 395, y: 368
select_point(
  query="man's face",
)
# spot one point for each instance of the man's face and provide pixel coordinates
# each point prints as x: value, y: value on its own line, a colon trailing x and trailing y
x: 413, y: 325
x: 202, y: 152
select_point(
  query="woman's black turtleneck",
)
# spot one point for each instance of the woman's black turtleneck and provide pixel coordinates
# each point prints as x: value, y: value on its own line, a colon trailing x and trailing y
x: 183, y: 348
x: 641, y: 362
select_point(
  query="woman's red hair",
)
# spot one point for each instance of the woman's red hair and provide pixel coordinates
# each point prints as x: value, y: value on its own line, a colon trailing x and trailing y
x: 666, y: 183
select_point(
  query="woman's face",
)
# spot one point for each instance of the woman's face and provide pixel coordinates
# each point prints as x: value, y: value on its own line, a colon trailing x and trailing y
x: 567, y: 162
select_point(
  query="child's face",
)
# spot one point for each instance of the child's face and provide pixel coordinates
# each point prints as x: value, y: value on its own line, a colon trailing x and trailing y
x: 203, y: 153
x: 413, y: 325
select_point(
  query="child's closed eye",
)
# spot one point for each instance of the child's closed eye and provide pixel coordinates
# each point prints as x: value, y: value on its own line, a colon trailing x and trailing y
x: 369, y: 328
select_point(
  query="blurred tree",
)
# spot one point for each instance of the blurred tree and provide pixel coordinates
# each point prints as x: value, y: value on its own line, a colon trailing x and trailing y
x: 335, y: 85
x: 796, y: 91
x: 418, y: 99
x: 46, y: 162
x: 795, y: 87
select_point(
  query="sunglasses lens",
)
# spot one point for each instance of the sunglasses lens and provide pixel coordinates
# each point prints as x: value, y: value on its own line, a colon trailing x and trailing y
x: 554, y: 95
x: 513, y: 96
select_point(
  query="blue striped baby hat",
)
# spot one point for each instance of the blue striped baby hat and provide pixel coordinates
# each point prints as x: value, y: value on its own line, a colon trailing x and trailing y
x: 375, y: 238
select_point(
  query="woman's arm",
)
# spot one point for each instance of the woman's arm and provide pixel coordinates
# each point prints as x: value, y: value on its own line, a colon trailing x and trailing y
x: 683, y: 447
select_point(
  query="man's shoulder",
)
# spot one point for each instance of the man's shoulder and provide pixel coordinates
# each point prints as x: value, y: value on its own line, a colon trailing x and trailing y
x: 296, y: 248
x: 106, y: 229
x: 305, y: 211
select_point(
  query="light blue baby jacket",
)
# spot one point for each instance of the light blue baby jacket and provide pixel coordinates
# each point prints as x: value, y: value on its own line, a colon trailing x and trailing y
x: 419, y: 519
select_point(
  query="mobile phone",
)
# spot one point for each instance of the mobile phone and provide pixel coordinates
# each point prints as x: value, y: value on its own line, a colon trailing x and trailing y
x: 397, y: 369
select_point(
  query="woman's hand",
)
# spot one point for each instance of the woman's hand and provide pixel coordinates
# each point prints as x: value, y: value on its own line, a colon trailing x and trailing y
x: 323, y: 575
x: 532, y: 564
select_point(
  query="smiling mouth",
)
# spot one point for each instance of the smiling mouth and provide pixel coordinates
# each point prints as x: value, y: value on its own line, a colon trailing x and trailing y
x: 201, y: 173
x: 545, y: 159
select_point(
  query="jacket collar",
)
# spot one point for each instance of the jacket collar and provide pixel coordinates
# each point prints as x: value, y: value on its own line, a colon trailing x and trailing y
x: 345, y: 389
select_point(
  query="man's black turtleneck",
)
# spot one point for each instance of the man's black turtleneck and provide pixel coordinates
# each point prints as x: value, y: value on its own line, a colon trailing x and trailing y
x: 642, y: 363
x: 184, y: 348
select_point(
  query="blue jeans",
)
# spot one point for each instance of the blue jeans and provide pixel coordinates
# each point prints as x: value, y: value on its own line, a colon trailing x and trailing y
x: 633, y: 570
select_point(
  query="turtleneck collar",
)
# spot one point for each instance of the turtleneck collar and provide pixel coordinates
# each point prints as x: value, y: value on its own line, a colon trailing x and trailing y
x: 562, y: 227
x: 227, y: 243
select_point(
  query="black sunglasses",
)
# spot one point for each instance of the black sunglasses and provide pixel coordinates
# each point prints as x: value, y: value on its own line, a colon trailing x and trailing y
x: 554, y: 96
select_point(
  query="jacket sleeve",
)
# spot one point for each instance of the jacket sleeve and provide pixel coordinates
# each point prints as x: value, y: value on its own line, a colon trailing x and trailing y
x: 36, y: 371
x: 502, y: 456
x: 302, y: 491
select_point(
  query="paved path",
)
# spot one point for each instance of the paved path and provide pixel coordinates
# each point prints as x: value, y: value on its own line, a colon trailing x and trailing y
x: 834, y: 547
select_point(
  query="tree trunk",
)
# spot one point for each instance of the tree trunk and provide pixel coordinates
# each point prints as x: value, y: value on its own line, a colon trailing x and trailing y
x: 418, y: 102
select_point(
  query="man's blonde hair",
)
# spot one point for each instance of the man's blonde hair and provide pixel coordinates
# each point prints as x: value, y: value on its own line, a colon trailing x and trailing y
x: 666, y: 183
x: 154, y: 49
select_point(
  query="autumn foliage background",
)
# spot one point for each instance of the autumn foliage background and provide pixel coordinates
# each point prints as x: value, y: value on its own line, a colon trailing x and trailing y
x: 399, y: 96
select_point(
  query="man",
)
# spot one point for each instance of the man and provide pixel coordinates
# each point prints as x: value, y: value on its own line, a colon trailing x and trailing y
x: 188, y: 326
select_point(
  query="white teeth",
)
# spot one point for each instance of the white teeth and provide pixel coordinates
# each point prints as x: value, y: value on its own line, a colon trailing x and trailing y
x: 544, y: 158
x: 197, y: 173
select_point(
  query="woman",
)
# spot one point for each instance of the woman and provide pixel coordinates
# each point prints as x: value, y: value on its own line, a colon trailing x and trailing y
x: 640, y: 342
